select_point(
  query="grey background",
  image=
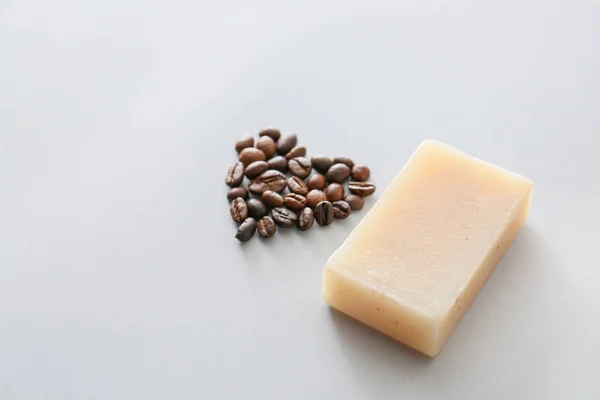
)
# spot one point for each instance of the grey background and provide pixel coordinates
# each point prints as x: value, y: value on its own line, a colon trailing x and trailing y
x: 119, y: 274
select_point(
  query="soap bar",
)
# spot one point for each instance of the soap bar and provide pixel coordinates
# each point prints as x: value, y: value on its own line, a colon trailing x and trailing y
x: 414, y: 264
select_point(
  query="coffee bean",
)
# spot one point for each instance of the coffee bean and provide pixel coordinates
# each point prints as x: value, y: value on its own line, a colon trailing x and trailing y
x: 321, y: 163
x: 256, y: 168
x: 245, y: 142
x: 341, y: 209
x: 284, y: 217
x: 324, y: 213
x: 334, y: 192
x: 338, y: 173
x: 356, y: 202
x: 294, y: 201
x: 273, y: 133
x: 307, y: 201
x: 316, y: 181
x: 314, y: 197
x: 297, y: 185
x: 306, y: 218
x: 298, y: 151
x: 246, y: 230
x: 343, y: 160
x: 362, y: 189
x: 300, y: 166
x: 268, y: 180
x: 286, y: 142
x: 256, y: 208
x: 235, y: 175
x: 272, y: 199
x: 267, y: 227
x: 237, y: 192
x: 250, y: 154
x: 279, y: 163
x: 360, y: 173
x: 267, y: 145
x: 238, y: 210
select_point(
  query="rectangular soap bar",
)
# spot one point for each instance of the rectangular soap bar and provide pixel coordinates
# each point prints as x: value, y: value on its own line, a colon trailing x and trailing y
x: 415, y: 263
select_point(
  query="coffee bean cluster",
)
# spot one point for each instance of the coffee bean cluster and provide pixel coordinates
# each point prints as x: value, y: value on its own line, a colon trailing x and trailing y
x: 285, y: 188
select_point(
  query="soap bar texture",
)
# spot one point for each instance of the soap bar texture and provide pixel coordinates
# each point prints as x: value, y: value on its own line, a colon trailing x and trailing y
x: 415, y: 263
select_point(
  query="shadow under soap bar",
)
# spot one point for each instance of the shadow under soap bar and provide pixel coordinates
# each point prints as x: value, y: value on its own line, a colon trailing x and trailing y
x: 415, y: 263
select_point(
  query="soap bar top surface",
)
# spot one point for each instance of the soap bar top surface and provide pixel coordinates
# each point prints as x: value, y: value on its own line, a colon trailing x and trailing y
x: 426, y: 237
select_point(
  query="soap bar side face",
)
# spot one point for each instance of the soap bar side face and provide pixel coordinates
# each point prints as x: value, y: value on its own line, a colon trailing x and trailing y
x: 372, y: 307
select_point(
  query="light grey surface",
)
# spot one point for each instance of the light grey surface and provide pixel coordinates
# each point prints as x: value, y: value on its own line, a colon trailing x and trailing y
x: 119, y: 274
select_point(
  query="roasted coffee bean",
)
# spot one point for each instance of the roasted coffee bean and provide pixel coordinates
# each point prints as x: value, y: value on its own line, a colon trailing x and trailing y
x: 297, y: 185
x: 246, y: 230
x: 343, y: 160
x: 273, y: 133
x: 266, y: 227
x: 284, y: 217
x: 286, y: 142
x: 294, y: 201
x: 250, y: 154
x: 235, y: 175
x: 268, y: 180
x: 314, y: 197
x: 338, y: 173
x: 334, y: 192
x: 356, y: 202
x: 256, y: 208
x: 362, y: 189
x: 256, y: 168
x: 306, y: 218
x: 321, y: 163
x: 267, y: 145
x: 279, y: 163
x: 238, y: 210
x: 300, y: 166
x: 316, y: 181
x: 360, y: 173
x: 324, y: 213
x: 272, y: 199
x: 237, y: 192
x: 298, y: 151
x: 341, y: 209
x: 245, y: 142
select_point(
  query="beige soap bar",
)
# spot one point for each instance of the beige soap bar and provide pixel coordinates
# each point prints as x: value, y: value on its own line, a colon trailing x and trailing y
x: 415, y: 263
